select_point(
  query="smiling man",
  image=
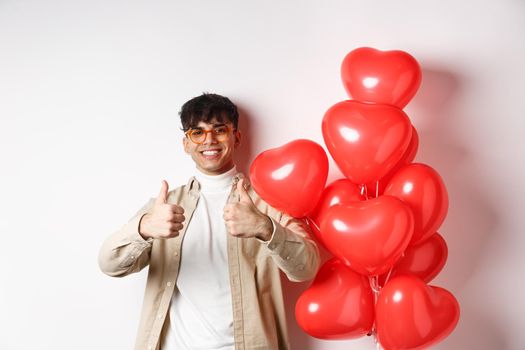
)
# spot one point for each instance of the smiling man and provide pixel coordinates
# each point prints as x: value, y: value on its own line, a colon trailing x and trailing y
x: 214, y: 248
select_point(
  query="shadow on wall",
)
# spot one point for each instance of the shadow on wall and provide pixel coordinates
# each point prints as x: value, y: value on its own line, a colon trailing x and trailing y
x: 244, y: 157
x: 472, y: 218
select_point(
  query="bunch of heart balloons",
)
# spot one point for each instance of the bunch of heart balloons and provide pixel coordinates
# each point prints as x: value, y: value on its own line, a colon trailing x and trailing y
x: 380, y: 222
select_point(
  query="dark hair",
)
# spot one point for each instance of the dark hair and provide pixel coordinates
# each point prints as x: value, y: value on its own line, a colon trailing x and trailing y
x: 205, y: 108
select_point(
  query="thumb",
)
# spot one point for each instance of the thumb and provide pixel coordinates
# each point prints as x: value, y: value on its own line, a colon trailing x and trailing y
x: 163, y: 194
x: 243, y: 194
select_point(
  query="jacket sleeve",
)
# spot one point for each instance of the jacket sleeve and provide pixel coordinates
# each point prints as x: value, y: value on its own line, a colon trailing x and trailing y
x: 291, y: 247
x: 125, y: 251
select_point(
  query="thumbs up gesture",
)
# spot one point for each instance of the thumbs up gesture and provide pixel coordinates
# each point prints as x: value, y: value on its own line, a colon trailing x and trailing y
x: 244, y: 220
x: 163, y: 220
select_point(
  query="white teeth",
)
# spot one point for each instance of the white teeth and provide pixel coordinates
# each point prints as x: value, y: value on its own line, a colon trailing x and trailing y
x: 210, y: 153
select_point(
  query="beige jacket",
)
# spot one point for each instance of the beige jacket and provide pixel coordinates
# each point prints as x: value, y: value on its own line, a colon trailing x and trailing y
x: 258, y: 309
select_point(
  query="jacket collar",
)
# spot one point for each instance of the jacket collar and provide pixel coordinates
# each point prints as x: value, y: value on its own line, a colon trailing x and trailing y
x: 193, y: 187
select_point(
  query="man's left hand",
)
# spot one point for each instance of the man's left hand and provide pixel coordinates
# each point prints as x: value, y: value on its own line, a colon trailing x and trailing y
x: 244, y: 220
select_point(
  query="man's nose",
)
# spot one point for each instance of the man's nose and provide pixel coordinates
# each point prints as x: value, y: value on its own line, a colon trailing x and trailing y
x: 210, y: 137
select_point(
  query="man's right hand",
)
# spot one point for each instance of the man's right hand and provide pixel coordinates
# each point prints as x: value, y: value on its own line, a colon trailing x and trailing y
x: 163, y: 220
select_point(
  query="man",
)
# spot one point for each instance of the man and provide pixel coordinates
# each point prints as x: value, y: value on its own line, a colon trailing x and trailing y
x: 214, y: 248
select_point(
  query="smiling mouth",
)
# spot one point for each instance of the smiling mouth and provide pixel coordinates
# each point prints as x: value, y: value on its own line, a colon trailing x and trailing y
x: 211, y: 153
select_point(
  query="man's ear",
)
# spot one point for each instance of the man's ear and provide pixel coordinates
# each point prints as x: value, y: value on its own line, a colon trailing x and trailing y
x: 185, y: 144
x: 238, y: 138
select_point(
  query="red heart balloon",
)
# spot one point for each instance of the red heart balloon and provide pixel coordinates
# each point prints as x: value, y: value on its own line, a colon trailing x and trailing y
x: 378, y: 188
x: 412, y: 148
x: 366, y: 140
x: 368, y: 236
x: 338, y: 305
x: 291, y: 178
x: 386, y: 77
x: 412, y: 315
x: 423, y: 190
x: 341, y: 191
x: 424, y: 260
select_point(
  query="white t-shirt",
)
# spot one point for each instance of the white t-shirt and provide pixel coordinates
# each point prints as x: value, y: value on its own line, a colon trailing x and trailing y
x: 200, y: 313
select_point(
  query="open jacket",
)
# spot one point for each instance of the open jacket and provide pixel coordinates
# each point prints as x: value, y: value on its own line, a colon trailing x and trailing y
x: 258, y: 309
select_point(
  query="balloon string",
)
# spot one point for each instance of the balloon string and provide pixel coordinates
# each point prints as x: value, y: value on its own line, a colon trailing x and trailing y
x: 388, y: 275
x: 378, y: 345
x: 374, y: 285
x: 377, y: 188
x: 312, y: 222
x: 364, y: 191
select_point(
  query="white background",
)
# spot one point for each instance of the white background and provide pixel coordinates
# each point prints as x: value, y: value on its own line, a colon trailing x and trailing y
x: 89, y: 96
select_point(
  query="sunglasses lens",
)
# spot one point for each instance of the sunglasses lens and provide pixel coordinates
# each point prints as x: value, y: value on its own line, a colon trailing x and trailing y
x: 197, y: 136
x: 220, y: 133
